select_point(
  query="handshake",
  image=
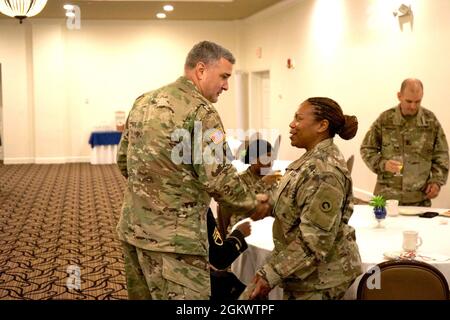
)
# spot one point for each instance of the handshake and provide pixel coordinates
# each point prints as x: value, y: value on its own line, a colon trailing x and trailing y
x: 263, y: 207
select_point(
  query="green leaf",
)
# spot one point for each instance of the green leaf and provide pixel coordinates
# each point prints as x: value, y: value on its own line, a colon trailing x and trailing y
x: 378, y: 202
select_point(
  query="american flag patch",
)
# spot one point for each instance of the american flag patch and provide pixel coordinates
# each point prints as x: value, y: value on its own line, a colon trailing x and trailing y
x: 217, y: 136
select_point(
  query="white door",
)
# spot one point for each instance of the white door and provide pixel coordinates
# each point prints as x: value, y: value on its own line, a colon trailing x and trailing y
x: 259, y: 115
x: 265, y: 100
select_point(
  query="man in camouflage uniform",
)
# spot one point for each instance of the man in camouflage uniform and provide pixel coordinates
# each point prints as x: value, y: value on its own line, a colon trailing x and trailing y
x: 163, y: 224
x: 414, y: 135
x: 315, y: 255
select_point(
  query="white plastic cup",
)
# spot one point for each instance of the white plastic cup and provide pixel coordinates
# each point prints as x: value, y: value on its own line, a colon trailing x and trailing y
x: 392, y: 208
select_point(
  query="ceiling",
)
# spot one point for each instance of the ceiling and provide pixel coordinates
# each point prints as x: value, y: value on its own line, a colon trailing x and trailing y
x: 146, y: 10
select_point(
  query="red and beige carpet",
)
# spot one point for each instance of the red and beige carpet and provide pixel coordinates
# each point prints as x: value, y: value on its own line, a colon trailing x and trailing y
x: 57, y: 232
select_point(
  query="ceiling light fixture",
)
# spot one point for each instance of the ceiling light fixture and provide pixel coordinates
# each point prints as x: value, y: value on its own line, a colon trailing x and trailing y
x: 161, y: 15
x: 21, y: 9
x: 168, y: 8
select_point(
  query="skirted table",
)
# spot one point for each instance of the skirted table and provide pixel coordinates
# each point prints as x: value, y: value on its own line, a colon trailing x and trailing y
x: 104, y: 146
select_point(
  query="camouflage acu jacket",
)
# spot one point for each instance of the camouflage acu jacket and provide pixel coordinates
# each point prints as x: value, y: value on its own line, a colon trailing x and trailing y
x: 423, y: 145
x: 166, y: 201
x: 315, y: 248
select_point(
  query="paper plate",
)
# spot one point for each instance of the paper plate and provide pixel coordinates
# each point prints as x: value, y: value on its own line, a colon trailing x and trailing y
x: 409, y: 212
x: 445, y: 214
x: 432, y: 257
x: 398, y: 254
x: 392, y: 255
x: 421, y: 256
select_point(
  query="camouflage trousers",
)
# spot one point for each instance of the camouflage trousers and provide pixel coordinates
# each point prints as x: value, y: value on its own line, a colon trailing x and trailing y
x: 335, y: 293
x: 153, y: 275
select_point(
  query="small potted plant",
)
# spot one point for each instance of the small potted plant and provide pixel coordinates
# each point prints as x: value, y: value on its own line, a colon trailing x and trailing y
x: 379, y: 208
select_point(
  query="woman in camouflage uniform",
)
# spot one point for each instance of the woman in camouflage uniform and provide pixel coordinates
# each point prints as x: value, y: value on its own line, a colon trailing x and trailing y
x: 315, y: 255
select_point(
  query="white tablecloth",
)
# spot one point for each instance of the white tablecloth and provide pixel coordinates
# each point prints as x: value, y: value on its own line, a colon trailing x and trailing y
x: 372, y: 242
x: 104, y: 154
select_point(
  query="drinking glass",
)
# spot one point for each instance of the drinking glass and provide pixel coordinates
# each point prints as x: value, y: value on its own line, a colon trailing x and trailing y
x: 400, y: 167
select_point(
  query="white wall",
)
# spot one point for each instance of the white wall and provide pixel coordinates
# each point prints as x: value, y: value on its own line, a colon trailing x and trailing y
x: 354, y: 52
x: 58, y: 84
x: 17, y: 138
x: 51, y: 123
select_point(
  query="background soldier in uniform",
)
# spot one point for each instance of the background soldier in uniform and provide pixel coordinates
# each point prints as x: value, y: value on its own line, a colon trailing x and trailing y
x: 407, y: 149
x: 163, y: 222
x: 315, y: 255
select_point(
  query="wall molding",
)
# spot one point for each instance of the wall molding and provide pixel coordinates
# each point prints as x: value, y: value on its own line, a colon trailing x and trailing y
x: 22, y: 160
x: 49, y: 160
x: 46, y: 160
x: 78, y: 159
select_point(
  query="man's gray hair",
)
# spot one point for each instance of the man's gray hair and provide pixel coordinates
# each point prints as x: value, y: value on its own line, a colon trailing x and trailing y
x: 207, y: 52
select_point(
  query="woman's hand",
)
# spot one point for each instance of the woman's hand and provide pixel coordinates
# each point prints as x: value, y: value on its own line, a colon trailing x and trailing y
x: 245, y: 228
x: 261, y: 289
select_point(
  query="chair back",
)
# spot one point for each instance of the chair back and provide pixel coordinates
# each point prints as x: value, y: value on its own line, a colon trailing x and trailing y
x: 404, y: 280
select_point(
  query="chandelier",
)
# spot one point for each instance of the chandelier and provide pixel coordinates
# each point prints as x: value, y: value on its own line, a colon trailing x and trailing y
x: 21, y: 9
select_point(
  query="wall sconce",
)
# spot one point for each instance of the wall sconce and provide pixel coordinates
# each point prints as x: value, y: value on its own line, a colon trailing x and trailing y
x: 73, y: 14
x: 405, y: 15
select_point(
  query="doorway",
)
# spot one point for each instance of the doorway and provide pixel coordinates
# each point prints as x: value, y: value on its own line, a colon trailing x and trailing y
x: 260, y: 115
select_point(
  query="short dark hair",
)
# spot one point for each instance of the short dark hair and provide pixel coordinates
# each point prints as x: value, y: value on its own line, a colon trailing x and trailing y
x: 256, y: 149
x: 207, y: 52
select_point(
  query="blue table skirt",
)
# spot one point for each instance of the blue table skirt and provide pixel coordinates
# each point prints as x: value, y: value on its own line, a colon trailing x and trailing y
x: 104, y: 138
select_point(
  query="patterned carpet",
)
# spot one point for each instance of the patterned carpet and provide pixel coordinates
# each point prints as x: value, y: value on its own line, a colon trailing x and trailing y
x: 57, y: 232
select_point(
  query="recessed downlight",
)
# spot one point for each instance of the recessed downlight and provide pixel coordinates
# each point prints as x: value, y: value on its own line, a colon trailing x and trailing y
x: 161, y: 15
x: 168, y: 8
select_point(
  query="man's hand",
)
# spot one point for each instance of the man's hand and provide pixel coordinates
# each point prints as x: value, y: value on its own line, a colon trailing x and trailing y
x: 393, y: 166
x: 245, y: 228
x: 263, y: 208
x: 271, y: 179
x: 261, y: 288
x: 262, y: 197
x: 432, y: 190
